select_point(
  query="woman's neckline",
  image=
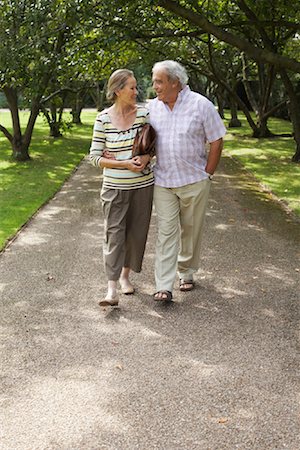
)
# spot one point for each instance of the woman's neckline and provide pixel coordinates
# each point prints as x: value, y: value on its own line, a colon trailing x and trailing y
x: 123, y: 129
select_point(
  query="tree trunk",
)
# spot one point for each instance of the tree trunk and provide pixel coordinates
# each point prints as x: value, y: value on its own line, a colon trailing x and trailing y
x: 247, y: 87
x: 262, y: 130
x: 20, y: 146
x: 234, y: 121
x: 77, y: 108
x: 220, y: 102
x: 98, y: 96
x: 76, y: 113
x: 294, y: 110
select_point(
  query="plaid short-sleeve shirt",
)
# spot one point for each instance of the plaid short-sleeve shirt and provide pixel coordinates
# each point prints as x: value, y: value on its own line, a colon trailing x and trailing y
x: 182, y: 134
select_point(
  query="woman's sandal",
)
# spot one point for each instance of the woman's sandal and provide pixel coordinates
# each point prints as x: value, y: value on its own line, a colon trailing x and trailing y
x: 163, y: 296
x: 126, y: 287
x: 186, y: 285
x: 109, y: 301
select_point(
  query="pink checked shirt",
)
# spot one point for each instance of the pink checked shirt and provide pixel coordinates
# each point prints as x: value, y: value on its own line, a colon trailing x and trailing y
x: 181, y: 137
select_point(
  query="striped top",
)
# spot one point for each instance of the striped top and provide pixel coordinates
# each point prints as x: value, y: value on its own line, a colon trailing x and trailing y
x: 119, y: 143
x: 182, y: 135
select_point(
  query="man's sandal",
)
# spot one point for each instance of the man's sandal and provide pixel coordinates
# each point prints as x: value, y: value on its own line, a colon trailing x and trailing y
x: 186, y: 285
x: 163, y: 296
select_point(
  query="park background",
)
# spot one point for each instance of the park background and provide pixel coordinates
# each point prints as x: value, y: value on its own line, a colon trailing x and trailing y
x: 56, y: 57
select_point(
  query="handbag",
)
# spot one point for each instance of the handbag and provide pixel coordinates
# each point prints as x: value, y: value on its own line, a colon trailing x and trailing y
x: 144, y: 141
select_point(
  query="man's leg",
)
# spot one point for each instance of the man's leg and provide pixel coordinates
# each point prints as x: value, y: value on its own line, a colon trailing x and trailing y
x: 193, y: 204
x: 167, y: 245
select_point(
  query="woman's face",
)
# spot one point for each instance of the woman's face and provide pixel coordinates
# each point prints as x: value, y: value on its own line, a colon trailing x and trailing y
x: 129, y: 92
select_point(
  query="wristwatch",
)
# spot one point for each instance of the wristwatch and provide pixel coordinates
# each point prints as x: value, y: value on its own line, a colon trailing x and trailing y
x: 210, y: 176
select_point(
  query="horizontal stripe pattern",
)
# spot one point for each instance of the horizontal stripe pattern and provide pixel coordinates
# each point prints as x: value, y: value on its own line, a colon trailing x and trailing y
x: 119, y: 143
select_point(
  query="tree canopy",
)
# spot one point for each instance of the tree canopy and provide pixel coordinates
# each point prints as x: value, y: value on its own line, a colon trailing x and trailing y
x: 71, y: 47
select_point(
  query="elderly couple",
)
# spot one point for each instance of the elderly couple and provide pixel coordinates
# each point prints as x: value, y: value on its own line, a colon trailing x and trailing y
x: 179, y: 183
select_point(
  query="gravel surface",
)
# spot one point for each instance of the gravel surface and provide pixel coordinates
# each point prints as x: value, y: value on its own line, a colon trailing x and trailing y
x: 216, y: 369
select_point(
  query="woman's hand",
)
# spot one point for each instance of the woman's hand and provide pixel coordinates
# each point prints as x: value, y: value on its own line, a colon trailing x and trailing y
x: 141, y: 161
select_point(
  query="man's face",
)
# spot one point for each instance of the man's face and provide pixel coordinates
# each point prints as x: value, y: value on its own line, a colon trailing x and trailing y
x: 165, y: 88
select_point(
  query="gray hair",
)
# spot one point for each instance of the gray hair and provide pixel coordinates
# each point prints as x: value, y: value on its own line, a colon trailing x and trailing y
x: 117, y: 81
x: 174, y: 70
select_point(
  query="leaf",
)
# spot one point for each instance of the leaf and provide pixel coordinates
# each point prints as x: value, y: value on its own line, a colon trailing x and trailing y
x: 223, y: 420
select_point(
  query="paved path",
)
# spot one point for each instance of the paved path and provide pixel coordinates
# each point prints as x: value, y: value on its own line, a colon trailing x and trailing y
x: 217, y: 369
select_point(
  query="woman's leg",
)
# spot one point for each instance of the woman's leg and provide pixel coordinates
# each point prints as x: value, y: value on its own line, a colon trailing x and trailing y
x: 137, y: 227
x: 125, y: 283
x: 115, y: 205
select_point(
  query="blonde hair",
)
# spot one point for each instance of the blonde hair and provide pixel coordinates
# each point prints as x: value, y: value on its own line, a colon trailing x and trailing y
x: 117, y: 81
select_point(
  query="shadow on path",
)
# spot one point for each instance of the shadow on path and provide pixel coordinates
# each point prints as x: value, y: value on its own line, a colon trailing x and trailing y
x: 216, y: 369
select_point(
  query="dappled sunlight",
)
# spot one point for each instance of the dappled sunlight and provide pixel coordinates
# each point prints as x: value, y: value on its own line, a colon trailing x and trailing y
x: 32, y: 238
x: 229, y: 293
x: 154, y: 314
x: 147, y: 333
x: 276, y: 272
x: 208, y: 307
x: 254, y: 227
x: 200, y: 370
x: 223, y: 227
x: 80, y: 395
x: 268, y: 313
x: 51, y: 211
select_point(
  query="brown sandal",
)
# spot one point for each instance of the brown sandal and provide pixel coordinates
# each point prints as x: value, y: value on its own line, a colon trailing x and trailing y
x: 186, y: 285
x: 158, y: 296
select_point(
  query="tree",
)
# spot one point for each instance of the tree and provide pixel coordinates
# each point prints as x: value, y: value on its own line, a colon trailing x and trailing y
x: 261, y: 30
x: 33, y: 37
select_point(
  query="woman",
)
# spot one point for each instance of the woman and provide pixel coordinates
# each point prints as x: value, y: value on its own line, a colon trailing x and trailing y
x: 127, y: 189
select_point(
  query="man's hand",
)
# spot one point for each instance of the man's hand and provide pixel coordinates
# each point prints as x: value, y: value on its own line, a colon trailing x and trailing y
x: 141, y: 160
x: 136, y: 164
x: 108, y: 155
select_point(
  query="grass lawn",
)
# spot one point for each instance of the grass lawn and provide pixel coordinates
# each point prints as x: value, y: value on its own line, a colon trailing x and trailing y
x: 25, y: 186
x: 269, y: 160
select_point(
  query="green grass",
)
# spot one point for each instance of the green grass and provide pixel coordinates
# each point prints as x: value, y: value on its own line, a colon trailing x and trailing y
x: 24, y: 187
x: 269, y: 160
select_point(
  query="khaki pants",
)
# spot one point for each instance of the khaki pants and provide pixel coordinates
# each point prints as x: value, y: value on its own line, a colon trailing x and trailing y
x: 127, y: 216
x: 180, y: 218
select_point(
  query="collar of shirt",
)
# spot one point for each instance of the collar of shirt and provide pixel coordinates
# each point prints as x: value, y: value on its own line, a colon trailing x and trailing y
x: 181, y: 95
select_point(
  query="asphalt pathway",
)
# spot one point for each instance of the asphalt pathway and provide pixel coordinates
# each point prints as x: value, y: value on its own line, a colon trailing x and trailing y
x: 216, y: 369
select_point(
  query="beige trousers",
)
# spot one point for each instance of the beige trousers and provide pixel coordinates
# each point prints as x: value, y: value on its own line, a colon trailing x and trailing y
x: 127, y: 215
x: 180, y: 218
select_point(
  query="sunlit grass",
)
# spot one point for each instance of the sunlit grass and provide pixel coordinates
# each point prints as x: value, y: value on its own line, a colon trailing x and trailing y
x: 268, y: 159
x: 24, y: 187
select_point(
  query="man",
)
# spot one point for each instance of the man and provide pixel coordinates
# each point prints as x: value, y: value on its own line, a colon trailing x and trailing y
x: 185, y: 122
